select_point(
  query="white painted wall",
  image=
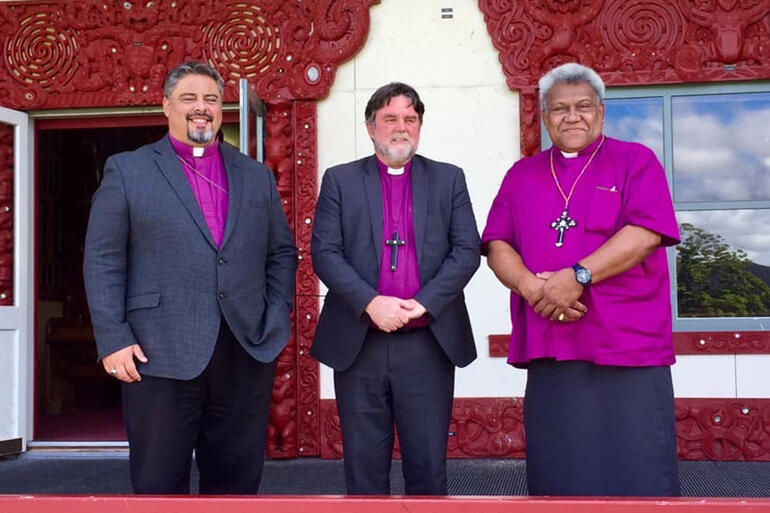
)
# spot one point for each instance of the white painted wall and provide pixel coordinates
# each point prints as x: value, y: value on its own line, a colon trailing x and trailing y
x: 471, y: 120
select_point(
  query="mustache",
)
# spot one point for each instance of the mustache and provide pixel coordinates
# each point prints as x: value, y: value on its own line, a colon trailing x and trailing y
x: 200, y: 114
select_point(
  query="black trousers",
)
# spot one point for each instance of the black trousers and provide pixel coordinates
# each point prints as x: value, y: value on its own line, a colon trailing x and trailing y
x: 221, y: 414
x: 404, y: 378
x: 600, y: 430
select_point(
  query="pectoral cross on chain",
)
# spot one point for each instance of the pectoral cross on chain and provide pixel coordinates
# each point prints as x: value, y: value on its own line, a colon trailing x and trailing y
x: 561, y: 225
x: 394, y: 244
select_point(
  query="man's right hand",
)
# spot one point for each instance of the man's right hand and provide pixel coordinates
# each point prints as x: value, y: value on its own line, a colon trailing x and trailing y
x: 120, y: 364
x: 388, y: 313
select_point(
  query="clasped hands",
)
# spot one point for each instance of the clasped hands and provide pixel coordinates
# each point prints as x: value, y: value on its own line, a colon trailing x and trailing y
x: 390, y: 313
x: 554, y: 295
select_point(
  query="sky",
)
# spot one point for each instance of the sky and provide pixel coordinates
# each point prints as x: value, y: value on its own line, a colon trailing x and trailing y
x: 721, y: 152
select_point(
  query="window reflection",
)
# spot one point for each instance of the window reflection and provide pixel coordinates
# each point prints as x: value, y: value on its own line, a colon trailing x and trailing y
x: 636, y: 119
x: 723, y: 263
x: 721, y: 147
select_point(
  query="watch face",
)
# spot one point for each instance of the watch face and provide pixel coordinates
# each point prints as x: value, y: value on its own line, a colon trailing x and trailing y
x: 583, y: 276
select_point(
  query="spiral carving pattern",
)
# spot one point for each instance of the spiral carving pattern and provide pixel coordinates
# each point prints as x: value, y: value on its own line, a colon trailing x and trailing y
x: 42, y: 52
x: 628, y: 26
x: 245, y: 44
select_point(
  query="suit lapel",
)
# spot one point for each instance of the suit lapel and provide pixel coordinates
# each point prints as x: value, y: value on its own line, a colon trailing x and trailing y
x: 373, y: 188
x: 167, y: 161
x: 419, y: 204
x: 235, y: 188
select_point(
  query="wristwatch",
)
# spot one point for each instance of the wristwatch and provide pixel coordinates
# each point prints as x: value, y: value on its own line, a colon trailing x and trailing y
x: 582, y: 275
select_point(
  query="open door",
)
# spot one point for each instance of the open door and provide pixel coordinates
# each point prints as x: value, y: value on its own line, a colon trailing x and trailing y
x: 16, y: 269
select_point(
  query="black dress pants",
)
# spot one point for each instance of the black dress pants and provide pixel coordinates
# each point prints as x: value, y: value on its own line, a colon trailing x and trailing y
x: 221, y: 414
x: 404, y: 378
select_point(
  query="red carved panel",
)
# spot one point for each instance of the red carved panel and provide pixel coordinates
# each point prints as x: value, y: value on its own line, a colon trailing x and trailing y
x: 706, y: 429
x: 723, y: 429
x: 498, y: 345
x: 279, y: 147
x: 628, y: 43
x: 305, y: 192
x: 687, y: 342
x: 6, y: 214
x: 722, y: 342
x: 64, y: 54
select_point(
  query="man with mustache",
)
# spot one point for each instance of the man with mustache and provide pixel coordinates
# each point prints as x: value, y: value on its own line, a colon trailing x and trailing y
x: 395, y: 241
x: 189, y: 271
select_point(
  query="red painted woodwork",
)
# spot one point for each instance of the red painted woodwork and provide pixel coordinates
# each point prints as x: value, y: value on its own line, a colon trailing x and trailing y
x: 92, y: 53
x: 629, y: 43
x: 6, y: 214
x: 722, y: 342
x: 686, y: 342
x: 706, y: 429
x: 498, y: 345
x: 353, y: 504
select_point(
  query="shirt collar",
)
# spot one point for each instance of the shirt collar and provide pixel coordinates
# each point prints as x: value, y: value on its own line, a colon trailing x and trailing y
x: 585, y: 152
x: 184, y: 150
x: 383, y: 168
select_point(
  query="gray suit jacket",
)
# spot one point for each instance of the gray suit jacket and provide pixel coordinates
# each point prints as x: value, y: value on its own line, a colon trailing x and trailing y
x: 346, y: 250
x: 154, y: 275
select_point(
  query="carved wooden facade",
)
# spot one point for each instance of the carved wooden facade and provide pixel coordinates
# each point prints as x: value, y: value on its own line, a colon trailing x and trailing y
x: 106, y: 53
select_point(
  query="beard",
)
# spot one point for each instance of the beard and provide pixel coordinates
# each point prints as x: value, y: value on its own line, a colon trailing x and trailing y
x: 200, y: 136
x: 397, y: 154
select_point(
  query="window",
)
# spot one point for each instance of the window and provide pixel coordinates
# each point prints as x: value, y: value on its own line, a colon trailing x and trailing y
x: 714, y: 142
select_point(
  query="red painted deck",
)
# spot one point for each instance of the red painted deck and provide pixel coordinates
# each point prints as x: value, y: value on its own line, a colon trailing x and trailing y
x: 337, y: 504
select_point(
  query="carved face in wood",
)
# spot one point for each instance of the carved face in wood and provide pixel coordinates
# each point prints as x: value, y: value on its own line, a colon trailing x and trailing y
x: 395, y: 131
x: 574, y: 116
x: 194, y: 110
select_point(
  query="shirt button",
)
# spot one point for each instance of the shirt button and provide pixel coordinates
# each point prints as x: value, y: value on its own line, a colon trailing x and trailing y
x: 222, y: 294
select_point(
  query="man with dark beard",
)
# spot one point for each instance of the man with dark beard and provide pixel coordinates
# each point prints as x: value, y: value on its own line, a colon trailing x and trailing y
x: 189, y: 270
x: 395, y: 241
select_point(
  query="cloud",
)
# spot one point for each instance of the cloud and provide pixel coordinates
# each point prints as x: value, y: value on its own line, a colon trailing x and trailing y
x: 748, y: 230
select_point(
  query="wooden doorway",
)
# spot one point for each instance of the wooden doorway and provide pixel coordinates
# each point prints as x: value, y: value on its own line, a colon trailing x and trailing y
x: 75, y: 401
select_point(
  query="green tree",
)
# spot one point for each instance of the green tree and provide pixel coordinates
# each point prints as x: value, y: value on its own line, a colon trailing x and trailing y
x: 714, y: 280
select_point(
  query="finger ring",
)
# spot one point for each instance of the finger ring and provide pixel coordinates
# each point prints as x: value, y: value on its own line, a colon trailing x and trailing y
x: 561, y: 317
x: 113, y: 372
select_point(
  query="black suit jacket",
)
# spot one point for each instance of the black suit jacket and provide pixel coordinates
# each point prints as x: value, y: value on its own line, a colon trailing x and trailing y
x: 346, y: 250
x: 155, y: 276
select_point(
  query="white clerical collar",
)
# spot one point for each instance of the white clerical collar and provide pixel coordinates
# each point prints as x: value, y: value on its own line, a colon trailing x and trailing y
x: 569, y: 155
x: 396, y: 172
x: 198, y: 151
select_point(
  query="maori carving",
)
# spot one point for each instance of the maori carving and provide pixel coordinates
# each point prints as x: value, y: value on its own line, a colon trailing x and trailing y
x: 487, y: 428
x: 498, y: 345
x: 120, y: 51
x: 279, y: 148
x: 6, y: 214
x: 722, y: 342
x: 305, y: 192
x: 707, y: 429
x: 628, y: 43
x: 723, y: 429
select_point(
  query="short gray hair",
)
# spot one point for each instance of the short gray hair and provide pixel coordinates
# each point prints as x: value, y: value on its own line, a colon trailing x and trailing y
x: 192, y: 68
x: 570, y: 73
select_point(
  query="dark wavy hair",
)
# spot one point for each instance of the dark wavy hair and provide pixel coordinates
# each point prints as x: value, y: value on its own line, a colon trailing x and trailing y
x: 382, y: 96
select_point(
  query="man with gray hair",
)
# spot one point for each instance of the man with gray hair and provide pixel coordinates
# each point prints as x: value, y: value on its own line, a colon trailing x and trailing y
x: 578, y: 234
x: 189, y: 271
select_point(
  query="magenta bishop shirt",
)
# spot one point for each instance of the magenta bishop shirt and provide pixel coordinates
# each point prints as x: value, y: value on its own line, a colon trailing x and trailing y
x: 208, y: 179
x: 628, y: 322
x: 397, y: 217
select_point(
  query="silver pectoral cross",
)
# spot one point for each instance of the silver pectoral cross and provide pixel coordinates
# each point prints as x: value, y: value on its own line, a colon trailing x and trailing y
x: 561, y: 225
x: 394, y: 244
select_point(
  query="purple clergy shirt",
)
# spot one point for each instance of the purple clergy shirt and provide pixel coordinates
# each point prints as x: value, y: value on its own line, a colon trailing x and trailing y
x: 628, y: 322
x: 404, y: 282
x: 208, y: 180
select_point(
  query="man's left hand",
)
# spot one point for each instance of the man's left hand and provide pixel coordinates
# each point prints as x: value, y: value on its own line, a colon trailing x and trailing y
x: 560, y: 292
x: 416, y: 310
